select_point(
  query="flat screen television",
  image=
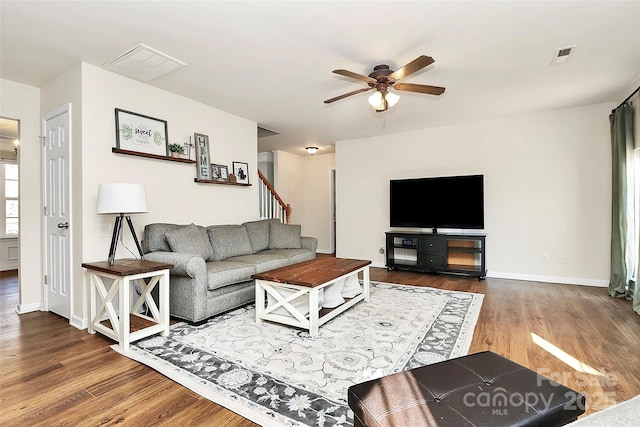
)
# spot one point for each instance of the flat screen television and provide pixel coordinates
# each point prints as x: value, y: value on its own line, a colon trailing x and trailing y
x: 440, y: 202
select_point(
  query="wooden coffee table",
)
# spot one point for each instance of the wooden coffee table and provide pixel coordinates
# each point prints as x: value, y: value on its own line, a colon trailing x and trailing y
x: 302, y: 280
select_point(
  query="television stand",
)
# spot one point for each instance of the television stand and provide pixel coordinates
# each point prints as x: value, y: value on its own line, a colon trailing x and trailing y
x: 461, y: 254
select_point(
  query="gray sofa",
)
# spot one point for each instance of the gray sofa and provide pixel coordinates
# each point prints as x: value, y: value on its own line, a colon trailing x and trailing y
x: 213, y: 265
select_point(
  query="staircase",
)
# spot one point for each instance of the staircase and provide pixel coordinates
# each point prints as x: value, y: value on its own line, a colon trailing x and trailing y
x: 270, y: 203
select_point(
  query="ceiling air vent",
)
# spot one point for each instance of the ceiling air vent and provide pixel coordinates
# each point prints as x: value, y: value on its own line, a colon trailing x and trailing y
x: 561, y: 55
x: 144, y: 63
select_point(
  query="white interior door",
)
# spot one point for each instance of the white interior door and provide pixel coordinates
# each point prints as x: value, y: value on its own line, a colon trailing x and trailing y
x: 57, y: 139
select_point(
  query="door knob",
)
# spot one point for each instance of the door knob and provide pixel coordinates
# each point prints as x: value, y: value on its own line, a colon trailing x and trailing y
x: 63, y: 225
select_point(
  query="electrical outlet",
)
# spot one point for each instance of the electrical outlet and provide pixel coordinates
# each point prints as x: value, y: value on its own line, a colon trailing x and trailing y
x: 544, y: 258
x: 104, y: 229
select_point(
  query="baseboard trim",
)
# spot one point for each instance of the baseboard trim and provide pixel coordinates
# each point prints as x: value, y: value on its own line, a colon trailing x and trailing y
x: 550, y: 279
x: 28, y: 308
x: 78, y: 322
x: 536, y: 278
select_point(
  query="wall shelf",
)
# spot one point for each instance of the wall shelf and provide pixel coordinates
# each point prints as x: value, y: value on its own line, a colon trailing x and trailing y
x: 210, y: 181
x: 152, y: 156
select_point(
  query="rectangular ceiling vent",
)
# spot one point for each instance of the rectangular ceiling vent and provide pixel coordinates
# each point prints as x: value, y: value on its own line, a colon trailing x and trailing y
x: 561, y: 55
x: 144, y: 63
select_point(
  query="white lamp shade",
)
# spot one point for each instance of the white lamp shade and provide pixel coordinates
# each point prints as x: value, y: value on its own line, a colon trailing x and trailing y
x: 376, y: 99
x: 122, y: 198
x: 391, y: 98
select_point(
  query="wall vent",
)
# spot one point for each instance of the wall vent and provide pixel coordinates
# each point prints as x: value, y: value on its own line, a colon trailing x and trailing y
x: 144, y: 63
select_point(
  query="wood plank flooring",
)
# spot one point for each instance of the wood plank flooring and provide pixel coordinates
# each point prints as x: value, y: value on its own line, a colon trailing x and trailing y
x: 54, y: 374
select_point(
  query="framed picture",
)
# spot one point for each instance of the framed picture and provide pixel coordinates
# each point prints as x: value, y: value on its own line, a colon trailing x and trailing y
x: 241, y: 171
x: 203, y: 165
x: 144, y: 134
x: 219, y: 172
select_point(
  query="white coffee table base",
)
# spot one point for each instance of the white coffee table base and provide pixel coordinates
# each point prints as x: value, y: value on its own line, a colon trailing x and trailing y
x: 285, y: 294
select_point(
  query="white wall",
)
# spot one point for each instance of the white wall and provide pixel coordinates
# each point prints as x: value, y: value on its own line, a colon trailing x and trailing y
x: 289, y: 182
x: 9, y: 253
x: 172, y: 194
x: 547, y: 189
x: 317, y: 199
x: 305, y: 183
x: 22, y: 102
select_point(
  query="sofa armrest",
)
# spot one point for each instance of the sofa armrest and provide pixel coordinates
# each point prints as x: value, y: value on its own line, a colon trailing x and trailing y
x: 310, y: 243
x: 184, y: 264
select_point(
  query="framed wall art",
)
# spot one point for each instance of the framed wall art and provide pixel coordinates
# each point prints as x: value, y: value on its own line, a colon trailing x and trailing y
x: 219, y: 172
x: 203, y: 164
x: 144, y: 134
x: 241, y: 171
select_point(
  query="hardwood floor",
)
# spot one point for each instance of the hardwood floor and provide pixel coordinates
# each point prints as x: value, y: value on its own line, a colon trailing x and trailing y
x: 54, y: 374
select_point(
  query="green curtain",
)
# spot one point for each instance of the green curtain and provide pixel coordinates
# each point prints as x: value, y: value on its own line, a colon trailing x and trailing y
x: 623, y: 250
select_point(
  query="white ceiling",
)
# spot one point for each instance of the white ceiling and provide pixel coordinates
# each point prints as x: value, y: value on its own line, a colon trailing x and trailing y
x: 271, y: 62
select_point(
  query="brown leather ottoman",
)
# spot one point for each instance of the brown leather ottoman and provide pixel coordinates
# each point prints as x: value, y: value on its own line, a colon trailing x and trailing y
x: 481, y: 389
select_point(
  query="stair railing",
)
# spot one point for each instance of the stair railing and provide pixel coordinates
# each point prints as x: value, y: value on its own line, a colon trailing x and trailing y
x: 270, y: 203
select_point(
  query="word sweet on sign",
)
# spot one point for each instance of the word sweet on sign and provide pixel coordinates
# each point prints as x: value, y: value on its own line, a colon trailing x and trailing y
x: 136, y: 132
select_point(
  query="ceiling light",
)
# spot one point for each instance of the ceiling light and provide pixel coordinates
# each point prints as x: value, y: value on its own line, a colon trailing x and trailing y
x: 312, y: 150
x: 375, y: 99
x: 391, y: 98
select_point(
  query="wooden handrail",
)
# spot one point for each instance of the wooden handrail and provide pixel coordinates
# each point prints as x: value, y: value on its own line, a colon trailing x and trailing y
x: 285, y: 207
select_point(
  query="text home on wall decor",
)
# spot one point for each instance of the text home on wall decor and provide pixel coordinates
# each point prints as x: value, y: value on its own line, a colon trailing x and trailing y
x: 203, y: 164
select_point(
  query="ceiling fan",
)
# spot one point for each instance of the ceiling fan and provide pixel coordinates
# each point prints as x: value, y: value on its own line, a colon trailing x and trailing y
x: 382, y: 79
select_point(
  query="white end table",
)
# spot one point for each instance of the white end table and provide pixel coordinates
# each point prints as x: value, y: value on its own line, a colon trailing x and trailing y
x: 123, y: 275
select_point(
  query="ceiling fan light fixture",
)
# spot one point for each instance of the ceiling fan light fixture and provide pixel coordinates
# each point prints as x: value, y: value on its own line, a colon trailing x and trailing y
x: 312, y: 150
x: 391, y: 98
x: 376, y: 99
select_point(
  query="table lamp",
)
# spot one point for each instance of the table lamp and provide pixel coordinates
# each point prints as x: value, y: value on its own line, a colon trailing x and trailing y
x: 121, y: 199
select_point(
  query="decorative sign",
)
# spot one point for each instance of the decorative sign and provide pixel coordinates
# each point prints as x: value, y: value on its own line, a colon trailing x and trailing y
x: 202, y: 156
x: 144, y: 134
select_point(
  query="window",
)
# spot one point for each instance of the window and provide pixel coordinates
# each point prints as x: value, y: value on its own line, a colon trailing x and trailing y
x: 9, y: 195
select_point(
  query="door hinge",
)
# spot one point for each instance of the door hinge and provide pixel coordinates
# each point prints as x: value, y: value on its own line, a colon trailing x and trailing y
x: 46, y: 280
x: 45, y: 210
x: 43, y: 139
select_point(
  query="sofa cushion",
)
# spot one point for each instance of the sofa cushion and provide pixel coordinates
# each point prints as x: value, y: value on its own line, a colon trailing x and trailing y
x: 293, y: 255
x: 258, y: 232
x: 190, y: 239
x: 262, y: 261
x: 284, y: 236
x: 155, y: 239
x: 223, y: 273
x: 228, y: 241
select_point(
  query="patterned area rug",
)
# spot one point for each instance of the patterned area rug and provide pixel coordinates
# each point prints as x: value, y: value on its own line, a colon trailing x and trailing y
x: 277, y: 375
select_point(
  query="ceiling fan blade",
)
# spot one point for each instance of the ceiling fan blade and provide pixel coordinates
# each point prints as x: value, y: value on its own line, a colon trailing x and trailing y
x: 413, y: 66
x: 410, y: 87
x: 355, y: 76
x: 337, y: 98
